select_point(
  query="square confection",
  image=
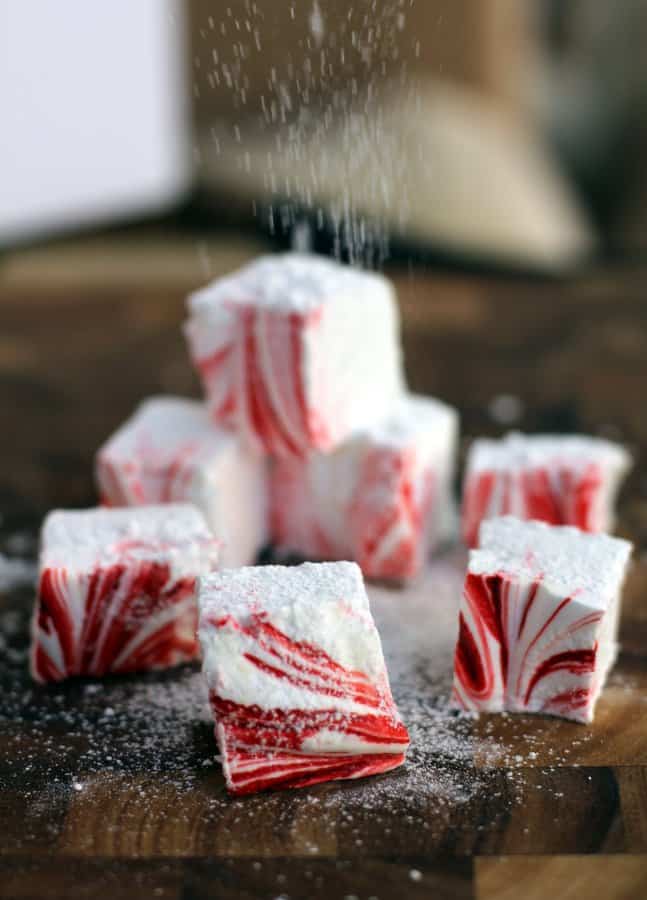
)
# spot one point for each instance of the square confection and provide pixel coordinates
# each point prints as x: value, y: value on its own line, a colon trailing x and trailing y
x: 169, y: 451
x: 297, y: 351
x: 383, y: 498
x: 296, y: 677
x: 116, y: 590
x: 539, y: 619
x: 562, y: 480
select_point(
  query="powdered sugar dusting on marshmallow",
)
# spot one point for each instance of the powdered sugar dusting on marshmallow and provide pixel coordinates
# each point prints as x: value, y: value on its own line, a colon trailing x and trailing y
x: 571, y: 563
x: 322, y: 604
x: 78, y: 539
x: 414, y: 415
x: 518, y: 450
x: 159, y: 427
x: 291, y: 281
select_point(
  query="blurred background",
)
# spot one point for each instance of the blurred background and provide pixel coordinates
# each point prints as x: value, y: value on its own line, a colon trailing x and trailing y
x: 492, y: 156
x: 506, y: 133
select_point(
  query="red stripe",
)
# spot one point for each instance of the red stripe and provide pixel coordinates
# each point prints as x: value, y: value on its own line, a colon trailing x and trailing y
x: 578, y: 662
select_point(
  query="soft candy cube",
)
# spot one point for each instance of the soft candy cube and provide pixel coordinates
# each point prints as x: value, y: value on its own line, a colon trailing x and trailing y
x: 169, y: 451
x: 562, y: 480
x: 296, y: 677
x: 296, y: 351
x: 538, y: 620
x: 116, y: 590
x: 383, y: 498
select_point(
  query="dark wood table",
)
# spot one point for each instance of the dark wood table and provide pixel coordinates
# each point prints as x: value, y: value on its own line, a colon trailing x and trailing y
x: 110, y: 789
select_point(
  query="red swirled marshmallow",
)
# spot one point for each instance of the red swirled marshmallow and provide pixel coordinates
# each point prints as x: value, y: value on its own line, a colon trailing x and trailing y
x: 539, y: 619
x: 296, y: 677
x: 562, y: 480
x: 170, y: 452
x: 116, y: 590
x: 296, y: 351
x: 383, y: 498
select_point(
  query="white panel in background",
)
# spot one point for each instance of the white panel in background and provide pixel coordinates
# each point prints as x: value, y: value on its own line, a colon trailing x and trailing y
x: 93, y: 112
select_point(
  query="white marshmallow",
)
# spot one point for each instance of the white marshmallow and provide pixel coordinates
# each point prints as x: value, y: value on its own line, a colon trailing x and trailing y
x: 297, y: 351
x: 116, y: 590
x: 169, y: 451
x: 562, y: 479
x: 383, y: 498
x: 539, y: 619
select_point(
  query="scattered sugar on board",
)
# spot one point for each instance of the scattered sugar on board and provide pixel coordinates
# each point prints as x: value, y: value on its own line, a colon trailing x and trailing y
x: 15, y: 572
x: 149, y: 740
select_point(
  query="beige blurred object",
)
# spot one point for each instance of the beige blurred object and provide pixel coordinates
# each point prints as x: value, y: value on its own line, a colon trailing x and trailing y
x: 242, y: 49
x: 174, y: 260
x: 441, y: 166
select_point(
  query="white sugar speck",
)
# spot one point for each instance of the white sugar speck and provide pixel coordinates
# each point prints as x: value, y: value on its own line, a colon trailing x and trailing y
x: 317, y: 27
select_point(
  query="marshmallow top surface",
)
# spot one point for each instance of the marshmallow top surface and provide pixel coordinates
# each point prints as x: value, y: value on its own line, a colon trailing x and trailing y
x: 414, y: 415
x: 160, y: 427
x: 79, y: 540
x: 571, y: 563
x: 517, y: 450
x: 323, y: 604
x: 294, y: 282
x: 275, y: 588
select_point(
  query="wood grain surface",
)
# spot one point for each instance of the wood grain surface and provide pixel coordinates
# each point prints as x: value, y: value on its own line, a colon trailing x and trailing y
x: 102, y: 796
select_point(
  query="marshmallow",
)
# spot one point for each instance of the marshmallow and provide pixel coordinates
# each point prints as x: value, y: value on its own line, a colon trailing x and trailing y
x: 116, y: 590
x: 169, y: 451
x: 296, y: 677
x: 296, y: 351
x: 383, y: 498
x: 539, y: 617
x: 563, y: 480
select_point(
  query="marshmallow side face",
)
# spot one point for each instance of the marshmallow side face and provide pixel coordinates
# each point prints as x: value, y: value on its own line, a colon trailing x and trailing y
x: 560, y: 480
x: 538, y: 619
x: 116, y: 590
x: 169, y: 452
x: 296, y: 677
x: 286, y: 347
x: 380, y: 499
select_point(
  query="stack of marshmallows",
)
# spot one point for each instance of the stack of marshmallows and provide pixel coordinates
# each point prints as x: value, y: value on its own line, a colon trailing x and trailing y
x: 308, y: 439
x: 310, y: 442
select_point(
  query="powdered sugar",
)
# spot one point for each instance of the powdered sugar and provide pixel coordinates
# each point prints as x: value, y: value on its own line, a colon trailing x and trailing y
x: 80, y: 539
x: 290, y: 281
x: 589, y: 567
x: 321, y: 604
x: 516, y: 450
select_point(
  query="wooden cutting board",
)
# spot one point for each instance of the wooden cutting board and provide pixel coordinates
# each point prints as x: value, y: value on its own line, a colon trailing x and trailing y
x: 110, y: 789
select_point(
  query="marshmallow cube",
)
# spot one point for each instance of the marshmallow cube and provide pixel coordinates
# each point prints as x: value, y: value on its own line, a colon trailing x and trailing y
x: 296, y: 677
x: 383, y: 498
x: 169, y: 451
x: 116, y: 590
x: 538, y: 620
x: 571, y: 480
x: 297, y: 351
